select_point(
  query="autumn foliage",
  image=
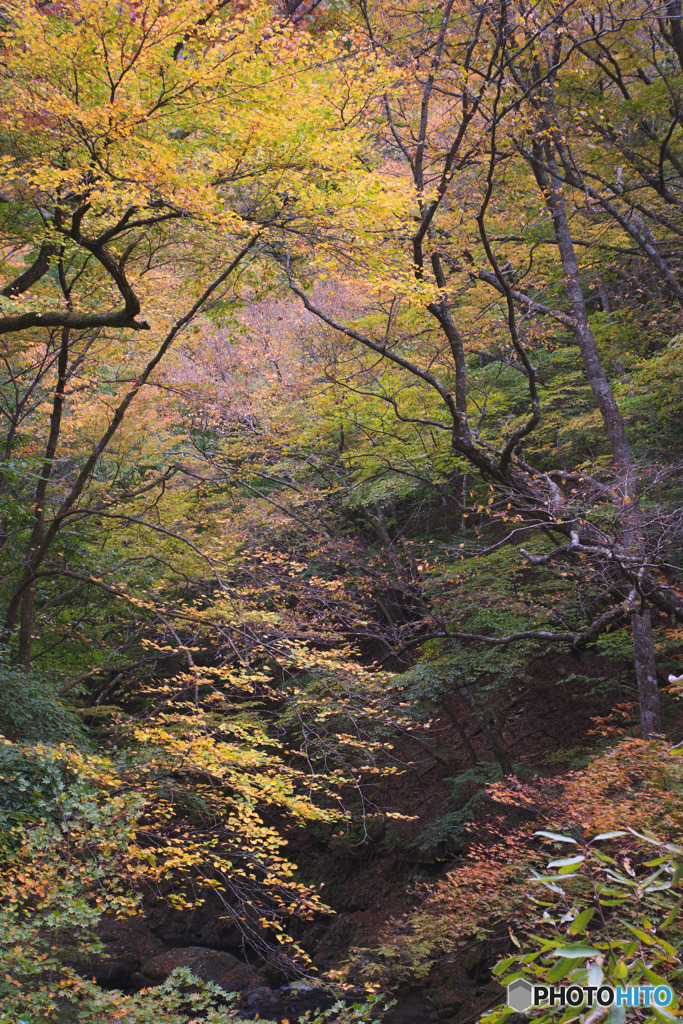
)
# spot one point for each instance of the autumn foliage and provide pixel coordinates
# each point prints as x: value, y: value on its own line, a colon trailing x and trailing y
x: 340, y: 433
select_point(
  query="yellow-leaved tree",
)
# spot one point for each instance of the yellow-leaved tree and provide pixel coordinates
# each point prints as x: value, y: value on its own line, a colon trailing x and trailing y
x: 154, y: 157
x: 151, y: 159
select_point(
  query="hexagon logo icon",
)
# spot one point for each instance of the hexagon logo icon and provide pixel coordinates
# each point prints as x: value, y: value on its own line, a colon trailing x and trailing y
x: 520, y: 995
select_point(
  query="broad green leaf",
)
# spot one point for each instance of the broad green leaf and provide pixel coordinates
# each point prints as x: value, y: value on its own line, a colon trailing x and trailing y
x: 621, y: 970
x: 512, y: 977
x: 608, y: 835
x: 668, y: 948
x: 549, y: 882
x: 655, y: 978
x: 576, y: 951
x: 544, y: 944
x: 645, y: 937
x: 604, y: 857
x: 651, y: 878
x: 657, y: 842
x: 566, y: 861
x: 621, y: 878
x: 558, y: 970
x: 581, y: 920
x: 503, y: 965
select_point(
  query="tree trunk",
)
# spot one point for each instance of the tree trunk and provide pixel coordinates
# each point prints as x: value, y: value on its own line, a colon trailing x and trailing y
x: 26, y: 623
x: 460, y: 729
x: 24, y: 597
x: 489, y: 735
x: 644, y: 658
x: 549, y: 181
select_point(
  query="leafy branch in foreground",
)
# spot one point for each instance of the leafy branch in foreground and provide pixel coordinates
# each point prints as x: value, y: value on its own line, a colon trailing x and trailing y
x: 610, y: 915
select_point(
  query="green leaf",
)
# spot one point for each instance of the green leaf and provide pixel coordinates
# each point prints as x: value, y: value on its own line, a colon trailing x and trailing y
x: 657, y: 842
x: 616, y: 1014
x: 605, y: 858
x: 608, y: 835
x: 651, y: 878
x: 558, y: 970
x: 654, y: 978
x: 503, y: 965
x: 548, y: 882
x: 581, y: 920
x: 566, y: 861
x: 667, y: 947
x: 571, y: 1013
x: 556, y: 837
x: 663, y: 1015
x: 504, y: 982
x: 544, y: 944
x: 645, y: 937
x: 672, y: 915
x: 621, y: 970
x: 621, y: 878
x: 576, y: 951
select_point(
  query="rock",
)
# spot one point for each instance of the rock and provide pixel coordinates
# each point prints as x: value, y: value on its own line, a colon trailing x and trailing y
x: 208, y: 925
x: 223, y: 969
x: 219, y: 933
x: 261, y: 996
x: 126, y: 944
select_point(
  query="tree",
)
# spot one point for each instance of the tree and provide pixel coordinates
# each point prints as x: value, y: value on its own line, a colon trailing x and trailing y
x: 145, y: 166
x: 499, y: 93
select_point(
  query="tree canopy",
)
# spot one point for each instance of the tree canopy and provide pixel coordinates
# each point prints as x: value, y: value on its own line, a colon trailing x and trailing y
x: 340, y: 375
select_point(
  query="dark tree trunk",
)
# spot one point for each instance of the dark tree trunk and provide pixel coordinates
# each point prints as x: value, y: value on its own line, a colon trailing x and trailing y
x: 488, y: 733
x: 643, y: 645
x: 22, y: 603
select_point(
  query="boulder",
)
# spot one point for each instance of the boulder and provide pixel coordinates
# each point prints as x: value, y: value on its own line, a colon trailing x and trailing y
x: 262, y: 996
x: 214, y: 965
x: 126, y: 944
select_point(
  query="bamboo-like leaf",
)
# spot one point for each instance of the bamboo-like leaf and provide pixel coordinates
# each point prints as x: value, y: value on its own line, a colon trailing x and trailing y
x: 556, y: 837
x: 566, y: 861
x: 576, y: 951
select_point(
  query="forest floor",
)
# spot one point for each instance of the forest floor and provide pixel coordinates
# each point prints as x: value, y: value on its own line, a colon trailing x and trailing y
x: 549, y: 728
x: 374, y: 882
